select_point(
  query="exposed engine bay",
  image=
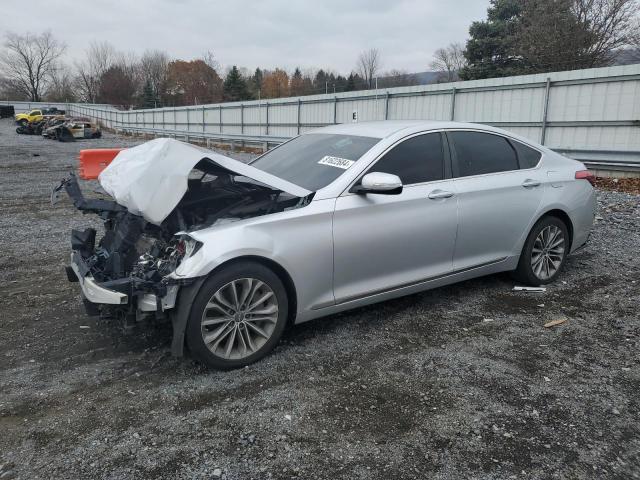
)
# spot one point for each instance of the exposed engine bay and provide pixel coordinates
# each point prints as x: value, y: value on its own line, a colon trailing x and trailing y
x: 135, y: 257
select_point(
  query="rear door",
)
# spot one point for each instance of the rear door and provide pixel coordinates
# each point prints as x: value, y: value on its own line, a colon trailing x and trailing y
x: 499, y: 193
x: 383, y: 242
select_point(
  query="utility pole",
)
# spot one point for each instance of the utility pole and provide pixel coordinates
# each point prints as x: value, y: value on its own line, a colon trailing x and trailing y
x: 259, y: 113
x: 376, y: 98
x: 326, y: 87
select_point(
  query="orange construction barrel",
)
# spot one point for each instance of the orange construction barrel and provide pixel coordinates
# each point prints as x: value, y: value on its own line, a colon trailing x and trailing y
x: 94, y: 160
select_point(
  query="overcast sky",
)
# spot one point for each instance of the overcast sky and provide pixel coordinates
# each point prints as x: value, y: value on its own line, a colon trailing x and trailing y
x: 267, y: 33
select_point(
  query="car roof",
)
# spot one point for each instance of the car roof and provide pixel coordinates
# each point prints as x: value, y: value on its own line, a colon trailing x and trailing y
x: 386, y: 128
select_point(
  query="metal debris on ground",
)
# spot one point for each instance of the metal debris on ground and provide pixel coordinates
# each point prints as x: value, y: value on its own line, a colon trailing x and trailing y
x: 529, y: 289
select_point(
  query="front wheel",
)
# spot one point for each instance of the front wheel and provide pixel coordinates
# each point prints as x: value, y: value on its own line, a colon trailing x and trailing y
x: 544, y: 253
x: 238, y: 316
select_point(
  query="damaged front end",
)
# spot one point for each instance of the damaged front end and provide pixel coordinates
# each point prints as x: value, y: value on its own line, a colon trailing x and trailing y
x: 126, y: 269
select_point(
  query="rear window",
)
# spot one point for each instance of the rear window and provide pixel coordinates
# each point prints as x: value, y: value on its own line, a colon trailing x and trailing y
x: 527, y: 156
x: 314, y: 160
x: 480, y: 153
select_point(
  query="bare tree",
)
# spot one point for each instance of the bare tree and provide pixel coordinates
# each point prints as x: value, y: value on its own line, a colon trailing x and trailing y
x: 369, y: 65
x: 210, y: 59
x: 634, y: 38
x: 154, y: 68
x: 609, y: 24
x: 61, y: 87
x: 571, y: 34
x: 100, y: 57
x: 29, y: 60
x: 449, y: 60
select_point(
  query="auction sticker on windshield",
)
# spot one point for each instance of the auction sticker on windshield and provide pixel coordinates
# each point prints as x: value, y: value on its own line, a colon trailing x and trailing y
x: 336, y: 162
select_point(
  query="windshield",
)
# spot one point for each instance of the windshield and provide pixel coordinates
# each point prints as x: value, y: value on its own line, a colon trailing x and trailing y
x: 314, y: 161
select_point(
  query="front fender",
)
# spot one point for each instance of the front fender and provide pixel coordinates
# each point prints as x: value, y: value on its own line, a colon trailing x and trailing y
x: 227, y: 244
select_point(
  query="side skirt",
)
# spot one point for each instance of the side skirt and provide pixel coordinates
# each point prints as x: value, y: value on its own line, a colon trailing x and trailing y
x: 501, y: 265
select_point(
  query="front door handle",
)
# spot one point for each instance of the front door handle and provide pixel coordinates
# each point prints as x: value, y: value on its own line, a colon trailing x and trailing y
x: 437, y: 194
x: 530, y: 183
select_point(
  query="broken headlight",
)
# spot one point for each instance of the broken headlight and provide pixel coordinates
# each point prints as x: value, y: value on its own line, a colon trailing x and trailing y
x: 186, y: 246
x: 163, y: 259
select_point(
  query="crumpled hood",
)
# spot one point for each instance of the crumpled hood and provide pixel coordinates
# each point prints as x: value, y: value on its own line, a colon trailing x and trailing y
x: 150, y: 179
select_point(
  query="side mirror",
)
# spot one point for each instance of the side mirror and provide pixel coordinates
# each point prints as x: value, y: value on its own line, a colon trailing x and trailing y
x: 379, y: 183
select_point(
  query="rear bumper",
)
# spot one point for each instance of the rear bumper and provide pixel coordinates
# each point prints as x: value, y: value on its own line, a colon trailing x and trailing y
x: 91, y: 290
x: 583, y: 218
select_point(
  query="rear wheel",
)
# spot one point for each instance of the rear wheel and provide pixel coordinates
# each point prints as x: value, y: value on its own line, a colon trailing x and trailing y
x: 544, y: 253
x: 238, y: 316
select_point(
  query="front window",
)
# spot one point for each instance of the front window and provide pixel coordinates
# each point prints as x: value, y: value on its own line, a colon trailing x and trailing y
x: 315, y: 160
x: 416, y: 160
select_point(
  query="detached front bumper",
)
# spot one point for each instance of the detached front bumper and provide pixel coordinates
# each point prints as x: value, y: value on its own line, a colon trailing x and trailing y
x: 91, y: 290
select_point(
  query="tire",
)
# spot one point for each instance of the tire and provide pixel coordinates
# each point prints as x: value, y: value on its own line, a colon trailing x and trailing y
x: 65, y: 136
x: 23, y: 122
x: 544, y: 253
x: 20, y: 130
x: 233, y: 340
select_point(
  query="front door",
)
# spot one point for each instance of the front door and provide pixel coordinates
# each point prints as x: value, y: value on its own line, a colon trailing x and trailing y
x: 382, y: 242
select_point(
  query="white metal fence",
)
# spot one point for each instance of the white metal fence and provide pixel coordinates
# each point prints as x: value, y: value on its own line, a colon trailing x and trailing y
x: 590, y: 114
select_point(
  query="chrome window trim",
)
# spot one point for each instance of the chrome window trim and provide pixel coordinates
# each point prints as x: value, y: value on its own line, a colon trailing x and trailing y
x: 507, y: 137
x: 346, y: 192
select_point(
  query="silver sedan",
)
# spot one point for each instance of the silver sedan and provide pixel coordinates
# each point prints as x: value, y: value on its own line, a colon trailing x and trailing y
x: 337, y: 218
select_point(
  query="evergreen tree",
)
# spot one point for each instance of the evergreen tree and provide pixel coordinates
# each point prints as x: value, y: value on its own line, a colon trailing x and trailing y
x: 489, y: 50
x: 296, y: 83
x: 235, y: 87
x: 255, y: 83
x: 533, y: 36
x: 320, y: 82
x: 340, y: 83
x: 351, y: 83
x: 148, y: 97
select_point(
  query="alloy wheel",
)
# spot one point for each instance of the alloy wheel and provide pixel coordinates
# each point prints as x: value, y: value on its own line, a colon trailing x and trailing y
x: 239, y: 318
x: 548, y: 252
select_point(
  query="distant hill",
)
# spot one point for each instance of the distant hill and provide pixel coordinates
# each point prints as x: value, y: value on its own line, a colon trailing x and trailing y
x: 627, y: 56
x: 425, y: 78
x: 402, y: 79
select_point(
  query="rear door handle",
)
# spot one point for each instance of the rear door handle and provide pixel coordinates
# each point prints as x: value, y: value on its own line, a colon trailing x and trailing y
x: 529, y: 183
x: 437, y: 194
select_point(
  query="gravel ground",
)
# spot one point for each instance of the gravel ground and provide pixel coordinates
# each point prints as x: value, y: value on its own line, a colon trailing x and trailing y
x: 458, y: 382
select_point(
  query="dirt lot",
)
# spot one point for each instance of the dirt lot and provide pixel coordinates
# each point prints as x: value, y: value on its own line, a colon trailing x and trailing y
x: 459, y: 382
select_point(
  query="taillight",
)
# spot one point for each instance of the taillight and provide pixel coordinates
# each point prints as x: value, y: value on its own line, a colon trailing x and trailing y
x: 586, y: 175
